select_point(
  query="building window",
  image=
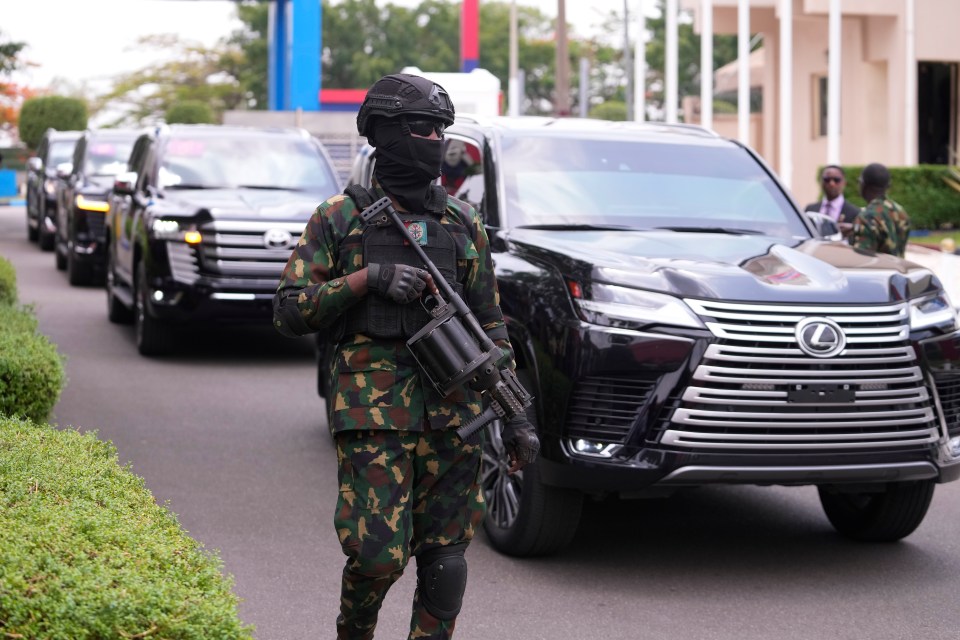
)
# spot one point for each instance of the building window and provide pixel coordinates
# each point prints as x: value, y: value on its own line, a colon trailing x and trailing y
x: 819, y: 106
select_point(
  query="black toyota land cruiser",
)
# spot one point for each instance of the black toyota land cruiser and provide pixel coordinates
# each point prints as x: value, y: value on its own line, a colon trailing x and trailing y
x: 680, y: 322
x: 201, y: 225
x: 79, y: 247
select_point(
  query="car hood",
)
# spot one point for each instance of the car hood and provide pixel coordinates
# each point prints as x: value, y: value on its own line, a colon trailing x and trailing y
x: 727, y: 267
x: 241, y: 204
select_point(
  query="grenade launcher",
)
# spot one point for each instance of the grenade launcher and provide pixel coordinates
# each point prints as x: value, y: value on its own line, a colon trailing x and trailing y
x: 452, y: 349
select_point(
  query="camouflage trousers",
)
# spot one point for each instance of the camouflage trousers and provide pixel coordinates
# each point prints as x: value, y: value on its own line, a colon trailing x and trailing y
x: 401, y: 493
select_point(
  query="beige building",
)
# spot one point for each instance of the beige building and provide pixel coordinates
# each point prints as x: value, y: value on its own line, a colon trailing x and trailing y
x: 880, y: 118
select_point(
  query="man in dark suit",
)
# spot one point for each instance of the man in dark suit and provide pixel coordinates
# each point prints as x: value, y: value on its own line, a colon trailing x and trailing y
x: 833, y: 181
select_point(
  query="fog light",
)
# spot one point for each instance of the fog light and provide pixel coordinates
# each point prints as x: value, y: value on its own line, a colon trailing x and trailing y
x: 158, y: 296
x: 592, y: 448
x: 953, y: 447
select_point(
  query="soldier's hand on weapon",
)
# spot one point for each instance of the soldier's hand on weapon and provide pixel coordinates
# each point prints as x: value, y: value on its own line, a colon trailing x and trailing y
x: 401, y: 283
x: 521, y: 442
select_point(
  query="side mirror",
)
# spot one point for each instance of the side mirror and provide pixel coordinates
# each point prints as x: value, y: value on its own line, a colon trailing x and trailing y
x: 124, y: 183
x: 64, y: 169
x: 826, y: 226
x: 35, y: 164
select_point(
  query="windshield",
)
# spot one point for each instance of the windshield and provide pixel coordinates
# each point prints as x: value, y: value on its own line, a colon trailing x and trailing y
x: 60, y: 151
x: 232, y: 161
x: 558, y: 182
x: 107, y: 157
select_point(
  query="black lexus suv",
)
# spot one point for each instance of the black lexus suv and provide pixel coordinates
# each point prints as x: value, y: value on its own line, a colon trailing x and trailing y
x: 98, y: 157
x: 201, y: 225
x: 681, y: 323
x: 55, y: 148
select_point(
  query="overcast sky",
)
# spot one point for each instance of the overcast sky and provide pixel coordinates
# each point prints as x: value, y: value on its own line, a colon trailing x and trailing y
x: 94, y: 40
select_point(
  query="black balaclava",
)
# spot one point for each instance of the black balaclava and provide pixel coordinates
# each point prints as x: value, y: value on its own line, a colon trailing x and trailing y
x: 406, y: 166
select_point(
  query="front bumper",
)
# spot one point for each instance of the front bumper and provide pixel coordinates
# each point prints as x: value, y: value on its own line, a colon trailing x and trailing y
x: 590, y: 451
x: 204, y: 301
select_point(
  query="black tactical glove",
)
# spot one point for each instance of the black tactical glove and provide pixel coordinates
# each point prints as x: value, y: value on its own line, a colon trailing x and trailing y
x: 398, y: 282
x: 521, y: 442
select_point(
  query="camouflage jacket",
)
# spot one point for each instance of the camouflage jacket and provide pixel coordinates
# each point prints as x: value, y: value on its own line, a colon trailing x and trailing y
x: 376, y: 383
x: 882, y: 226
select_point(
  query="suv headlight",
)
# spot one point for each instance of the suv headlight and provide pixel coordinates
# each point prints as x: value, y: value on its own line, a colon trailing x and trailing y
x: 615, y: 306
x: 162, y: 229
x: 933, y: 312
x: 50, y: 186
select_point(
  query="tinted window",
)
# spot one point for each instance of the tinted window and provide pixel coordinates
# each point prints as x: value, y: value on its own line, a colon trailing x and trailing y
x: 107, y: 157
x: 641, y: 185
x: 244, y: 161
x: 60, y: 151
x: 462, y: 171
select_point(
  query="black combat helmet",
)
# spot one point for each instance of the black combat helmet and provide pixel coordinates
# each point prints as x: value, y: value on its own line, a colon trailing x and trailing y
x: 404, y: 94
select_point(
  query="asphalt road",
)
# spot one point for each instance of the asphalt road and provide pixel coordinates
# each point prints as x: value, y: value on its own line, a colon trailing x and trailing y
x: 231, y: 436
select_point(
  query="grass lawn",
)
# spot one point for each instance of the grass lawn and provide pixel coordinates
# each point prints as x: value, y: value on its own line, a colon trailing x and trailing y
x: 933, y: 238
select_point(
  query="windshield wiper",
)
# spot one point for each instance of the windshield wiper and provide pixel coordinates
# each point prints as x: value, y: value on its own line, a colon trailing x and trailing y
x: 728, y: 230
x: 267, y: 187
x: 577, y: 227
x: 193, y: 186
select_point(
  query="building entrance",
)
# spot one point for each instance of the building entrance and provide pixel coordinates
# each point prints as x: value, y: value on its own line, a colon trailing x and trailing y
x: 936, y: 112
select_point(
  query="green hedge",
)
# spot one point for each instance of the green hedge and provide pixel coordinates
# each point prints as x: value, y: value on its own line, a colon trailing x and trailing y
x: 43, y: 112
x: 31, y: 370
x: 921, y: 190
x: 86, y: 553
x: 8, y: 283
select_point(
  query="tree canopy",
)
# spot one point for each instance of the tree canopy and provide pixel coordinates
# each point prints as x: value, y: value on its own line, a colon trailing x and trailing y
x: 364, y: 39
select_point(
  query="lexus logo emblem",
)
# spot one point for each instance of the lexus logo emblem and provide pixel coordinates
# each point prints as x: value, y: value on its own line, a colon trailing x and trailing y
x: 820, y: 337
x: 277, y: 239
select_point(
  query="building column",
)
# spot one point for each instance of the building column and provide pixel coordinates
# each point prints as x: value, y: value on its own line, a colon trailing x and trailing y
x: 743, y: 71
x: 910, y: 86
x: 706, y: 63
x: 785, y: 142
x: 671, y: 61
x: 834, y: 53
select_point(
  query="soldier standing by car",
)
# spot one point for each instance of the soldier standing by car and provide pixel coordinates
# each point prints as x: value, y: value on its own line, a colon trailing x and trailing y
x: 882, y: 225
x: 408, y: 484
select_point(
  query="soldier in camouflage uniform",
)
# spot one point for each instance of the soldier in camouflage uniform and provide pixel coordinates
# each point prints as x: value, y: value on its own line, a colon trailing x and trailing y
x: 408, y: 485
x: 882, y: 226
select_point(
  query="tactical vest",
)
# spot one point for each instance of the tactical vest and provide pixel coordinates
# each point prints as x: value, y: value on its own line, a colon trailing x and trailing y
x: 377, y: 316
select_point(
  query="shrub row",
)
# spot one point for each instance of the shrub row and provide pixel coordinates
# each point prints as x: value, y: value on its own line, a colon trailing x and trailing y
x: 921, y: 190
x: 31, y: 370
x: 86, y: 553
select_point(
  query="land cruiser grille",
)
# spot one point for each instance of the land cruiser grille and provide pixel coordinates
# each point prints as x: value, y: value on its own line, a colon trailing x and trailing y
x: 234, y: 251
x: 752, y: 389
x: 604, y: 408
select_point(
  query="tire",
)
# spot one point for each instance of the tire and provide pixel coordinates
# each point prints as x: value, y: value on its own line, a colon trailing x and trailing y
x: 60, y: 258
x: 45, y: 239
x: 525, y: 518
x: 32, y: 234
x: 78, y: 274
x: 887, y: 515
x: 117, y: 312
x: 154, y: 338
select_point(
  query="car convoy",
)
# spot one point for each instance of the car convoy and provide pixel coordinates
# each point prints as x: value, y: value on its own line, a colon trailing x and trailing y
x: 677, y: 318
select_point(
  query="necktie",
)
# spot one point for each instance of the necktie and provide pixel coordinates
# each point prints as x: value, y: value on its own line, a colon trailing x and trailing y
x: 828, y: 209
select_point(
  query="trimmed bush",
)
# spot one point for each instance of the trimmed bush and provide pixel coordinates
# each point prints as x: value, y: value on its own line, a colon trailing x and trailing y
x: 31, y: 370
x: 8, y: 283
x: 610, y: 110
x: 86, y: 553
x: 190, y: 112
x: 921, y: 191
x: 45, y: 112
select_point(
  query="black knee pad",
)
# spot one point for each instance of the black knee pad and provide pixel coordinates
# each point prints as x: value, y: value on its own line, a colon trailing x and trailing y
x: 442, y: 579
